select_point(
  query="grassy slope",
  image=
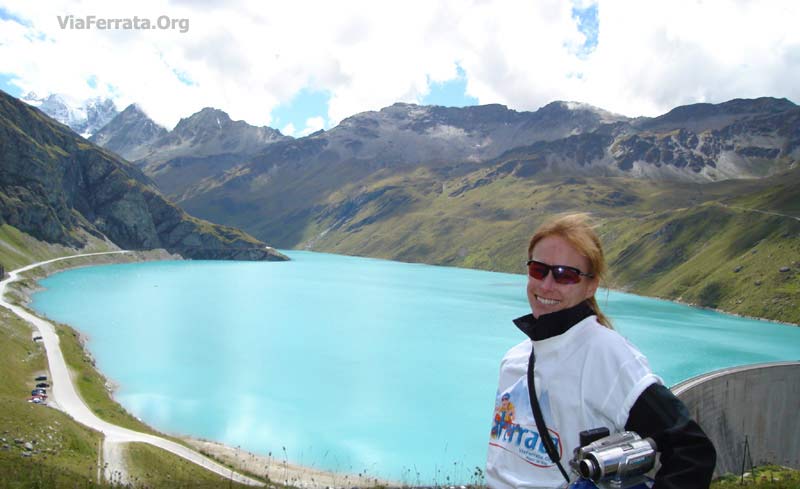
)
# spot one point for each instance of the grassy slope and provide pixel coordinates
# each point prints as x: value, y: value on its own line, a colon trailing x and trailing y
x: 713, y: 256
x: 162, y: 469
x: 18, y: 249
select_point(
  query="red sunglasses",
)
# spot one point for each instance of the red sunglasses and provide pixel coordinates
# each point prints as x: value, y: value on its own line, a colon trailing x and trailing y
x: 562, y: 274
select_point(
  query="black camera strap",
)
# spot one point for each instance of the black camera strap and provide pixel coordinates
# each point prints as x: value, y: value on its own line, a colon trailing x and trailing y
x: 544, y: 433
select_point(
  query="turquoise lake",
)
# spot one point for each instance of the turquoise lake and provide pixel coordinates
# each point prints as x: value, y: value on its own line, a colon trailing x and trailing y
x: 349, y: 364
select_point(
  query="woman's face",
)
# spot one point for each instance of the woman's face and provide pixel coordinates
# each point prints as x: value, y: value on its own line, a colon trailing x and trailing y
x: 546, y: 296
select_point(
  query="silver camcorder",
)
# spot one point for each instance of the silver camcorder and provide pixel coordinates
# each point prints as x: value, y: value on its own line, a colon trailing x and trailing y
x: 617, y: 461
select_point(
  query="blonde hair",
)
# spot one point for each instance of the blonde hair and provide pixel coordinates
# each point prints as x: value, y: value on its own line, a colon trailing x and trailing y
x: 576, y: 230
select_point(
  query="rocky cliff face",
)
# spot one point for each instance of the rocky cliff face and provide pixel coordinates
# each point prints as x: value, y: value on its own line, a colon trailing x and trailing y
x: 129, y: 134
x: 697, y: 143
x: 53, y: 182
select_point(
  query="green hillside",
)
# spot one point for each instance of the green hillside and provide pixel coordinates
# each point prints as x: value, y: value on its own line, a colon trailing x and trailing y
x: 719, y: 245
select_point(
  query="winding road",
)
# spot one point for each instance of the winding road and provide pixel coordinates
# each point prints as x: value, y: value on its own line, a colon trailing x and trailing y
x: 66, y: 398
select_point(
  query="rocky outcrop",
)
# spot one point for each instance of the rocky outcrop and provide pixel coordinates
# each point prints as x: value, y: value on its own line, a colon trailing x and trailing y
x: 53, y: 182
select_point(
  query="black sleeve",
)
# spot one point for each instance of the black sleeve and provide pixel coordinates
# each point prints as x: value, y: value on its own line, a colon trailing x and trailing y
x: 687, y: 455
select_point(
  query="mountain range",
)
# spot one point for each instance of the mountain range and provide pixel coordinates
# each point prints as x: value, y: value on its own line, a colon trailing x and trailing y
x: 60, y: 188
x: 688, y: 202
x: 277, y: 188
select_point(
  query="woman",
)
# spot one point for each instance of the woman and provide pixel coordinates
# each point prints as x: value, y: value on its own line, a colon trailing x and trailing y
x: 585, y: 375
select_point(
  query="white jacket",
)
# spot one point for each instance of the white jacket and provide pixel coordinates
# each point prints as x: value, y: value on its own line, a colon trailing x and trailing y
x: 586, y: 377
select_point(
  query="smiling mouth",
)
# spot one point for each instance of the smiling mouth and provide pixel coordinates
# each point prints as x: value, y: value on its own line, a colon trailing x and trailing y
x: 547, y: 302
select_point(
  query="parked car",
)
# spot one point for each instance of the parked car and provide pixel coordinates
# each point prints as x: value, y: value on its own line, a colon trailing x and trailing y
x: 37, y: 338
x: 36, y: 392
x: 42, y: 384
x: 41, y: 377
x: 38, y: 399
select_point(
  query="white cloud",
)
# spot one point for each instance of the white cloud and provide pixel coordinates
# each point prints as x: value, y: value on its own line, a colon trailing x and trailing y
x: 288, y: 130
x: 313, y: 124
x: 247, y: 57
x: 651, y: 57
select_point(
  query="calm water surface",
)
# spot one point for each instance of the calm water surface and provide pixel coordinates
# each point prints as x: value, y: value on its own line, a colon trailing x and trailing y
x: 349, y: 364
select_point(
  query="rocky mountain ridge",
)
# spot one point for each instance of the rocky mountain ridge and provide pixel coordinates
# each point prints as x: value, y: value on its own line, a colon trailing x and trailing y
x: 701, y: 142
x: 129, y: 134
x: 53, y: 182
x: 209, y: 132
x: 404, y: 134
x: 715, y: 145
x: 286, y: 184
x: 205, y: 142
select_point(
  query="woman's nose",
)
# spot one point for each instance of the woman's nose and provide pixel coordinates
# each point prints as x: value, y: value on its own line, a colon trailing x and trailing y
x: 548, y: 282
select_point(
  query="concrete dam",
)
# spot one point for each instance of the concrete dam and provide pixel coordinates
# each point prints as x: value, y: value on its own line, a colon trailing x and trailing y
x: 754, y: 405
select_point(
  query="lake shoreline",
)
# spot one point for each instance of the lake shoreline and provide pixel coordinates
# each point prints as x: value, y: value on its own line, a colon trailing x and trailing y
x: 706, y: 308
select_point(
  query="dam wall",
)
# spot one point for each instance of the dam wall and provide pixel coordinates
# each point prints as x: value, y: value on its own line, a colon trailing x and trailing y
x: 757, y: 403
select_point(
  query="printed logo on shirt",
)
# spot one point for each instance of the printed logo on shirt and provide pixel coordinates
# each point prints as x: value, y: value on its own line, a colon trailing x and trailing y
x: 522, y: 440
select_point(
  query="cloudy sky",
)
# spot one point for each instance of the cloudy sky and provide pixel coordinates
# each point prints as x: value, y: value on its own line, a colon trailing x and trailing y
x: 304, y: 65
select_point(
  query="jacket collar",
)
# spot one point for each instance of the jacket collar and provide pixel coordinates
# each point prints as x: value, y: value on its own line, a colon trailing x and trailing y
x: 553, y: 324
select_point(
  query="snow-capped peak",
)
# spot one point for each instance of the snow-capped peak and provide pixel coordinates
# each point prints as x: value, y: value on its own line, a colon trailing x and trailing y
x: 85, y: 117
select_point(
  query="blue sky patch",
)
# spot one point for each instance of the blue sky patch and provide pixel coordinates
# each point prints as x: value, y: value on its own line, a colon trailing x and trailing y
x: 306, y: 103
x: 7, y: 86
x: 6, y: 15
x: 589, y: 25
x: 183, y: 77
x: 452, y: 93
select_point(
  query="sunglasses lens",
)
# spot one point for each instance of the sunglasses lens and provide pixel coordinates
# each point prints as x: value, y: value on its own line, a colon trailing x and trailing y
x: 564, y: 275
x: 538, y: 270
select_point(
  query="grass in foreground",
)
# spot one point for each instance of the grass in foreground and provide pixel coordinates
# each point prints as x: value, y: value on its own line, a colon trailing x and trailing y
x: 767, y: 476
x: 59, y: 452
x: 153, y: 467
